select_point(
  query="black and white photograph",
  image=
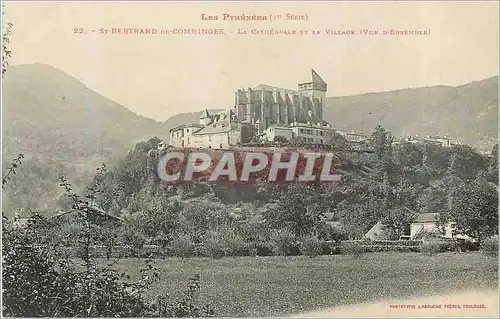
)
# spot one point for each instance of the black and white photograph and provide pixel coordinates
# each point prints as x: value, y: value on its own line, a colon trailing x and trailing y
x: 287, y: 159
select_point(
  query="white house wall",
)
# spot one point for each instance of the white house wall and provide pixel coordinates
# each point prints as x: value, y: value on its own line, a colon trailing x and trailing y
x: 416, y: 228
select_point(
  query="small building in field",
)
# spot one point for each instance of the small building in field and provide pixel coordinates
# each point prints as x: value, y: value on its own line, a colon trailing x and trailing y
x: 272, y: 132
x: 428, y: 224
x: 377, y: 232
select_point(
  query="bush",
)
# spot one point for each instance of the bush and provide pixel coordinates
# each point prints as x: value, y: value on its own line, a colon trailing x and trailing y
x: 182, y: 246
x: 352, y: 248
x: 184, y: 306
x: 39, y: 278
x: 252, y: 249
x: 214, y: 245
x: 430, y: 247
x: 467, y: 245
x: 39, y: 282
x: 234, y: 244
x: 282, y: 242
x: 310, y: 246
x: 490, y: 246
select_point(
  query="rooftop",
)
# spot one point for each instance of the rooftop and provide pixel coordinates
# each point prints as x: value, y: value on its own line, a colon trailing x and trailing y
x: 185, y: 126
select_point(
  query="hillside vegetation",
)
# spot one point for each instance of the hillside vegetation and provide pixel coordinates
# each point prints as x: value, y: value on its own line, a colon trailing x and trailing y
x: 467, y: 113
x: 64, y: 128
x: 391, y: 185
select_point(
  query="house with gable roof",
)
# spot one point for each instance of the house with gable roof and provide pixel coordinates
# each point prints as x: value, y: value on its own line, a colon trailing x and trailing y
x: 216, y: 131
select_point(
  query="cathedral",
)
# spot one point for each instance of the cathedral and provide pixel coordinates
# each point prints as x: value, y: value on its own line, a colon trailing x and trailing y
x: 265, y: 106
x: 262, y: 113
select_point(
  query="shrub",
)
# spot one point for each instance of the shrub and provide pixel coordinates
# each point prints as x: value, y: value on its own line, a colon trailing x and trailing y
x: 467, y: 245
x: 234, y: 244
x: 182, y: 246
x: 252, y: 249
x: 39, y: 279
x: 310, y: 246
x: 490, y: 246
x: 214, y: 245
x: 184, y: 306
x: 282, y: 242
x: 430, y: 247
x: 352, y: 248
x: 39, y: 282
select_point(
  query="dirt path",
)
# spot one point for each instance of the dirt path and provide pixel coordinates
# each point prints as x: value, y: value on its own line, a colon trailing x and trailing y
x: 414, y: 308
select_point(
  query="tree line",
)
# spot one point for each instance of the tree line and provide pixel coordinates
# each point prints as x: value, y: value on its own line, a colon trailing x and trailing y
x: 392, y: 184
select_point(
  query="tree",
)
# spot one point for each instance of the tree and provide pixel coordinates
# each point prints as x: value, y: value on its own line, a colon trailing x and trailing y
x: 296, y: 209
x: 475, y: 209
x: 248, y: 133
x: 358, y: 215
x: 282, y: 242
x: 436, y: 158
x: 336, y: 140
x: 199, y: 215
x: 465, y: 162
x: 493, y: 165
x: 432, y: 200
x: 11, y: 170
x: 280, y: 139
x: 397, y: 221
x: 408, y: 155
x: 381, y: 141
x: 6, y: 53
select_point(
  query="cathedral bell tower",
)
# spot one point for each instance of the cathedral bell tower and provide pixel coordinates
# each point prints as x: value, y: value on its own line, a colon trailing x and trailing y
x: 316, y: 91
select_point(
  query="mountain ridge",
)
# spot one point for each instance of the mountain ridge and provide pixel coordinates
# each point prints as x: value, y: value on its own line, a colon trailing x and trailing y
x: 66, y: 129
x: 95, y: 124
x: 466, y: 113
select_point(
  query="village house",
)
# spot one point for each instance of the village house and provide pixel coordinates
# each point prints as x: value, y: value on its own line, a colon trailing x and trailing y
x: 217, y: 131
x: 423, y: 225
x: 428, y: 224
x: 21, y: 219
x: 429, y: 139
x: 311, y: 133
x: 377, y: 232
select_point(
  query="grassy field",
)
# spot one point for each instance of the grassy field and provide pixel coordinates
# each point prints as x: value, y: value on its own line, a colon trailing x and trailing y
x: 269, y: 286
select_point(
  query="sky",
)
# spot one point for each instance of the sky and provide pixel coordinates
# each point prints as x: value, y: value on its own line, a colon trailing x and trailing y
x: 160, y: 75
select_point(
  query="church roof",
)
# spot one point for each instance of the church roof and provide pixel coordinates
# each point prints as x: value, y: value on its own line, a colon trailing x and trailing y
x: 204, y: 114
x: 316, y: 78
x: 272, y: 88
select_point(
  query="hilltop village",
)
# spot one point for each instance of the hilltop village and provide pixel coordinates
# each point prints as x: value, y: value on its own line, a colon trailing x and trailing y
x: 266, y: 114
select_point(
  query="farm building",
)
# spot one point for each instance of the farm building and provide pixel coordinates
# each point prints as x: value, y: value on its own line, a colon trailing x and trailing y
x: 428, y: 223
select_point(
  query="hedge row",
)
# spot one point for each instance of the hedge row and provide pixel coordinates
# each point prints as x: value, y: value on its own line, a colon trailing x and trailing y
x: 261, y: 249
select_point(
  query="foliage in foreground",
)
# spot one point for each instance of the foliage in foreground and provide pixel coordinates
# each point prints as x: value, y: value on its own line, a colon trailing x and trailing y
x: 310, y: 246
x: 282, y: 242
x: 430, y: 247
x: 41, y: 280
x: 490, y: 246
x: 354, y: 249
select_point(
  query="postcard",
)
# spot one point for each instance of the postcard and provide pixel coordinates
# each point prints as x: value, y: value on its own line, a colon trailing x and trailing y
x: 250, y: 159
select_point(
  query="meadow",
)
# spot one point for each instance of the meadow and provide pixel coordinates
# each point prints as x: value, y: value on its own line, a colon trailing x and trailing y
x: 277, y: 286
